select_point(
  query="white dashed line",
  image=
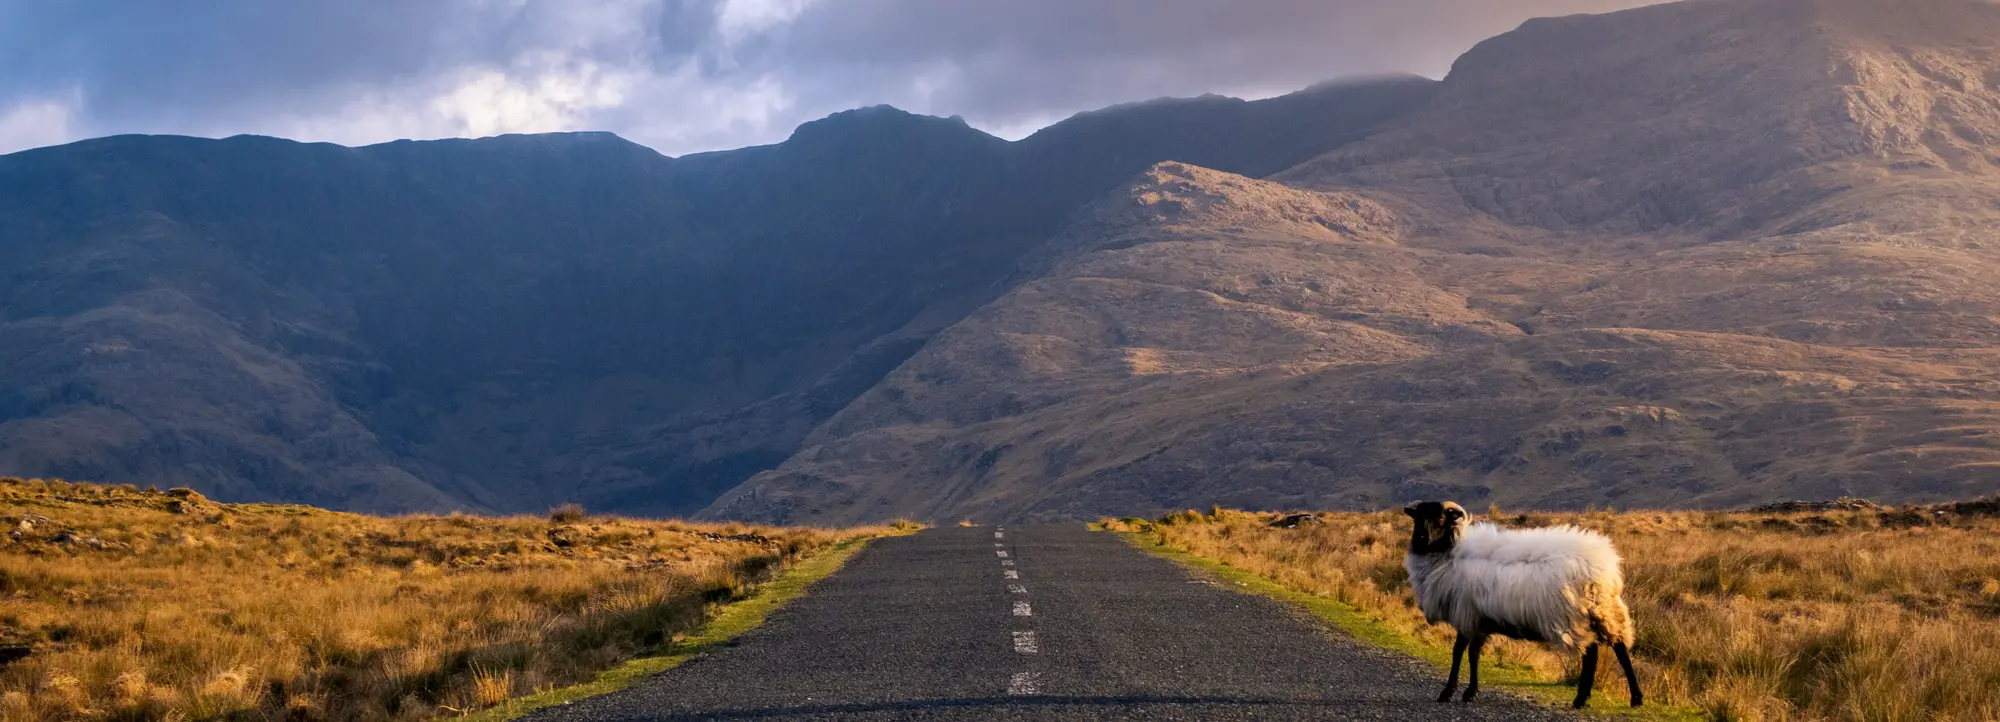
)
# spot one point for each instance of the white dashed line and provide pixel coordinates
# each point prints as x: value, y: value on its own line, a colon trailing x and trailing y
x: 998, y: 535
x: 1025, y: 683
x: 1022, y: 683
x: 998, y: 544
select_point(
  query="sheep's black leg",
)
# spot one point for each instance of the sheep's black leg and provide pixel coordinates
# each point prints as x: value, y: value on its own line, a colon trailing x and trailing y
x: 1472, y: 675
x: 1631, y: 677
x: 1589, y: 678
x: 1451, y: 683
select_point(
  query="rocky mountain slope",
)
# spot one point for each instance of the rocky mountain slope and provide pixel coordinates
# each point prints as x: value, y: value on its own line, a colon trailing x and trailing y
x: 507, y: 323
x: 1696, y: 254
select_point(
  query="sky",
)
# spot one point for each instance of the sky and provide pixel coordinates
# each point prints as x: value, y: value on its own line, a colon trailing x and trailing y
x: 681, y: 75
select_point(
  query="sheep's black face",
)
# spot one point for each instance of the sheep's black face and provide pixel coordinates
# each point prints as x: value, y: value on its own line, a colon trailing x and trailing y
x: 1438, y: 524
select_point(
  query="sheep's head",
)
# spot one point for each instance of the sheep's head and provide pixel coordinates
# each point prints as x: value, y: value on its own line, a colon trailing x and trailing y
x: 1438, y: 526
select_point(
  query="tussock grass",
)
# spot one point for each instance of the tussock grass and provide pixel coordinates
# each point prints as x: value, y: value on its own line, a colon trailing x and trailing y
x: 1847, y: 615
x: 164, y: 605
x: 566, y: 513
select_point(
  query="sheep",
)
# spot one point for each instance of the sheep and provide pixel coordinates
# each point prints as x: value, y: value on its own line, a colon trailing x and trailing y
x: 1560, y: 584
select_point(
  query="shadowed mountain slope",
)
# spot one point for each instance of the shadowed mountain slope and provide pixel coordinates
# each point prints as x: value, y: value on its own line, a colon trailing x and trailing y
x: 511, y: 322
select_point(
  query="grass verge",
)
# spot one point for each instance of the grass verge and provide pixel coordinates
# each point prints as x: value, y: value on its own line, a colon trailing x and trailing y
x: 1842, y: 611
x: 1519, y: 679
x: 729, y: 621
x: 124, y: 604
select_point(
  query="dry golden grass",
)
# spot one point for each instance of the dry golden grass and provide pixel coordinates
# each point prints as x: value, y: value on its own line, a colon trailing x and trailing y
x: 164, y: 605
x: 1852, y: 615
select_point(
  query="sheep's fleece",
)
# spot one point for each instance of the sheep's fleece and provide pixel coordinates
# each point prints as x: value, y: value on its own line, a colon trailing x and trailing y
x: 1558, y: 582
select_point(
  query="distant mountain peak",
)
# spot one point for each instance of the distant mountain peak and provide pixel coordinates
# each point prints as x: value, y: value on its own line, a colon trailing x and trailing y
x: 558, y: 140
x: 885, y: 121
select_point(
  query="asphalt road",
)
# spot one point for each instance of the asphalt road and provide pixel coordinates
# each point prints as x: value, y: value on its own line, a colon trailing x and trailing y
x: 934, y: 627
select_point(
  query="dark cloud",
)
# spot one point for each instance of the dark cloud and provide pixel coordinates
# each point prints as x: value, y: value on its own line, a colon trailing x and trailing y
x: 1031, y: 57
x: 170, y: 59
x: 681, y: 74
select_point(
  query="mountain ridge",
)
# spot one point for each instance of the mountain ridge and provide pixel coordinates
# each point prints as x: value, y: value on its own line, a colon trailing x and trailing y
x: 1627, y: 267
x: 478, y: 323
x: 1699, y: 254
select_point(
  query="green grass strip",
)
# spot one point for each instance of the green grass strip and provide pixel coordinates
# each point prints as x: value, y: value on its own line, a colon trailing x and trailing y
x: 730, y: 621
x: 1520, y: 680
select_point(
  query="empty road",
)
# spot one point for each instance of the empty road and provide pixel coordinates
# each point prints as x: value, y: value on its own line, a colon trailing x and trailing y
x: 1036, y: 622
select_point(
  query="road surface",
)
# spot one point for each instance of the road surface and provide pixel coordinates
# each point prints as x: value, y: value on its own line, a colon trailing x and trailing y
x: 1031, y: 623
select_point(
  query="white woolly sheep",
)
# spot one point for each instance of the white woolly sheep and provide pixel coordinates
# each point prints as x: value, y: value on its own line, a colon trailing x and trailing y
x: 1560, y: 584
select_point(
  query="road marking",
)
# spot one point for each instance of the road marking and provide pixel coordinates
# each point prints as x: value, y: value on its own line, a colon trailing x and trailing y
x: 1024, y: 642
x: 1017, y: 589
x: 1011, y: 574
x: 998, y: 544
x: 1021, y: 609
x: 1006, y: 562
x: 1024, y: 683
x: 998, y: 535
x: 1003, y: 555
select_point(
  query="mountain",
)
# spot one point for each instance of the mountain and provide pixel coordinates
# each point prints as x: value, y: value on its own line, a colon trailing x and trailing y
x: 1698, y: 254
x: 1746, y: 118
x: 507, y: 323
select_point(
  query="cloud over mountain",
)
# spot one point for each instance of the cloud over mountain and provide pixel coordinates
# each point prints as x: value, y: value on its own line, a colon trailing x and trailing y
x: 679, y: 75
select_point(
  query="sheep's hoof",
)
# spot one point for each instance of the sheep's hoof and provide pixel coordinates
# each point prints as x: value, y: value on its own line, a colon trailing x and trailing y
x: 1638, y: 701
x: 1446, y: 695
x: 1581, y: 702
x: 1470, y: 692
